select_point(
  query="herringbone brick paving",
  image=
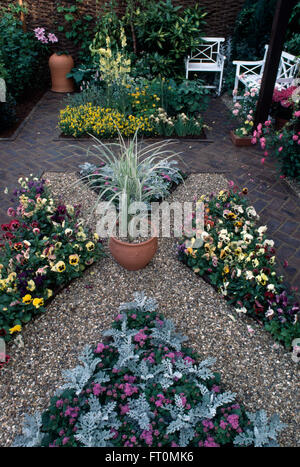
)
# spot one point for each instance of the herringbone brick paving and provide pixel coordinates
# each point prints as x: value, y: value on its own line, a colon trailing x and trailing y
x: 37, y: 148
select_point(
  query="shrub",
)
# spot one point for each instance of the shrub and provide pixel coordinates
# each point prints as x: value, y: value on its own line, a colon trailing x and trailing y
x: 169, y: 31
x: 21, y: 54
x: 235, y: 255
x: 143, y: 388
x: 8, y: 112
x: 43, y: 248
x: 282, y: 145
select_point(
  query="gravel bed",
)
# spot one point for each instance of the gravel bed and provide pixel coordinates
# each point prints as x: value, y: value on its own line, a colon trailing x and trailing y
x: 262, y: 375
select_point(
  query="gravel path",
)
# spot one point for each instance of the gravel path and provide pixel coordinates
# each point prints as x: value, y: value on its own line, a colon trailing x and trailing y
x: 261, y: 375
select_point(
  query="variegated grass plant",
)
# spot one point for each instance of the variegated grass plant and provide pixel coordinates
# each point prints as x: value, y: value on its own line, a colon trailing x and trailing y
x: 131, y: 171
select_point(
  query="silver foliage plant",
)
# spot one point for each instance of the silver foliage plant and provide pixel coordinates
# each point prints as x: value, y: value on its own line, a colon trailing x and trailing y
x: 95, y: 426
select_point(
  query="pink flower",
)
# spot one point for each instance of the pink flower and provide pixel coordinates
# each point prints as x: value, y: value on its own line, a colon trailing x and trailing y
x: 280, y: 149
x: 297, y: 113
x: 100, y: 348
x: 52, y: 37
x: 11, y: 212
x: 262, y: 160
x: 295, y: 137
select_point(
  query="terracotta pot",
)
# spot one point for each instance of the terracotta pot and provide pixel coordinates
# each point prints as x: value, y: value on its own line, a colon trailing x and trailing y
x: 237, y: 141
x: 60, y: 66
x: 133, y: 256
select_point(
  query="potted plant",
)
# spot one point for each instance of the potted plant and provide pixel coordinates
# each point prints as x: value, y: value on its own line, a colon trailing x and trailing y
x: 131, y: 173
x: 60, y: 63
x: 244, y: 112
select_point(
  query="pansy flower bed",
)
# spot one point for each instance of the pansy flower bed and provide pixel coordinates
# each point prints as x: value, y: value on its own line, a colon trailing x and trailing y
x: 141, y: 387
x: 42, y: 249
x: 235, y: 255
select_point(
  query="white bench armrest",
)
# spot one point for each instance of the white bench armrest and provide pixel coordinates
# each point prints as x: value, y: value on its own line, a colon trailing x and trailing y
x: 240, y: 62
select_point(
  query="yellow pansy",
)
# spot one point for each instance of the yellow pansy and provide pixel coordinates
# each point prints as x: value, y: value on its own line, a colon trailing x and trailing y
x: 90, y: 246
x: 16, y: 328
x: 27, y: 299
x: 74, y: 259
x: 37, y: 302
x: 30, y: 285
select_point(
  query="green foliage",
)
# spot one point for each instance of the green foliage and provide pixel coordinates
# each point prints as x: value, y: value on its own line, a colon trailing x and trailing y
x: 7, y: 112
x: 76, y: 27
x: 167, y: 31
x: 283, y: 146
x: 21, y: 54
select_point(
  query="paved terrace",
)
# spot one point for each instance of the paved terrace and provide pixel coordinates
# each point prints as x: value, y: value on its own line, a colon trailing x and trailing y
x: 37, y: 148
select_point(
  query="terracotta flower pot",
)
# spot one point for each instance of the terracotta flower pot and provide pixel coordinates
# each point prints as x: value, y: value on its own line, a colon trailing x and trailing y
x: 133, y: 256
x: 60, y: 66
x: 238, y: 141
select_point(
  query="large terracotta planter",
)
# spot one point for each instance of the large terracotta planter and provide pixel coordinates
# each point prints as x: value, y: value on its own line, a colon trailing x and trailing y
x: 133, y: 256
x: 237, y: 141
x: 60, y: 66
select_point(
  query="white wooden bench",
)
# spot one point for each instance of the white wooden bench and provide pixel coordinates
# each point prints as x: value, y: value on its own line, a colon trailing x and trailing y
x: 206, y: 57
x: 250, y: 73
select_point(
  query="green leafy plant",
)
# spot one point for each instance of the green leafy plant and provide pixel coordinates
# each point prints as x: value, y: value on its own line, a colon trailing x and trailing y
x: 76, y: 27
x: 141, y: 173
x: 22, y: 56
x: 282, y: 145
x: 145, y: 388
x: 8, y: 112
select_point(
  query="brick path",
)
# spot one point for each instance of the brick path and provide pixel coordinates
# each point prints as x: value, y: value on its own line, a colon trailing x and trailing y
x: 37, y: 149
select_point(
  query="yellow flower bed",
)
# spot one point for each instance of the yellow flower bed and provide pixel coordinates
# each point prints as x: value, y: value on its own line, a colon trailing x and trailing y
x: 101, y: 122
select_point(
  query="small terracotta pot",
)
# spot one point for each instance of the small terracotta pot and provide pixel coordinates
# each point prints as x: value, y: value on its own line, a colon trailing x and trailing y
x: 133, y: 256
x: 60, y: 66
x: 237, y: 141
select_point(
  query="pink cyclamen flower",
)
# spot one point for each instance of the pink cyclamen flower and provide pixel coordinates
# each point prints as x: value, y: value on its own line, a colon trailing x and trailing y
x: 297, y: 113
x: 280, y: 149
x: 295, y: 137
x: 52, y: 37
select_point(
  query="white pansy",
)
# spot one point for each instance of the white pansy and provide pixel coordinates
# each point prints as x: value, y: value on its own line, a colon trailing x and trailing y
x: 249, y: 275
x: 269, y: 243
x: 261, y: 230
